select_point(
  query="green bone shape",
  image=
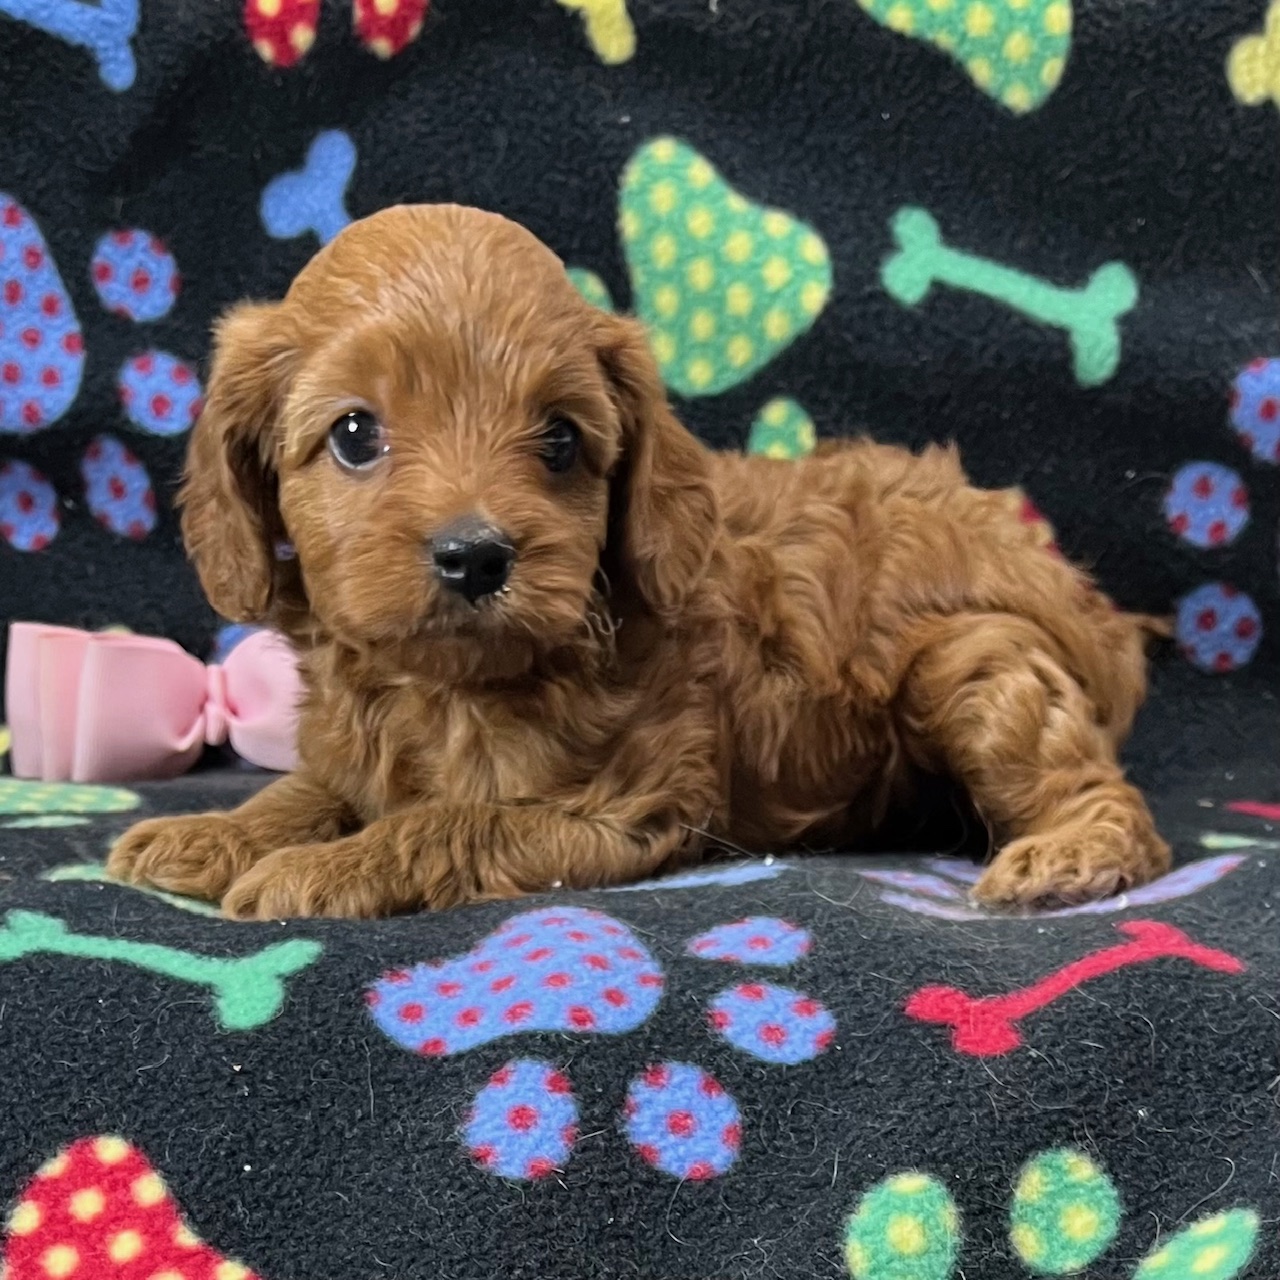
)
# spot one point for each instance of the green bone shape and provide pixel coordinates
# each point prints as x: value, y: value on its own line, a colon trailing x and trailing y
x: 1090, y: 315
x: 249, y: 989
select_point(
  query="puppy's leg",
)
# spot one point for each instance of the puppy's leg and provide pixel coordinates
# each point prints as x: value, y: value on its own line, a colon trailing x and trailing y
x: 201, y: 855
x: 440, y: 856
x: 990, y: 702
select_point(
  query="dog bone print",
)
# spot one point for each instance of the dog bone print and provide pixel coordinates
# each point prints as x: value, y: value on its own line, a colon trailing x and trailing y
x: 755, y: 940
x: 18, y: 796
x: 1013, y: 50
x: 609, y: 28
x: 104, y: 28
x: 681, y: 1121
x: 1254, y: 809
x: 524, y: 1122
x: 249, y: 990
x: 96, y: 873
x: 733, y: 873
x: 775, y: 1024
x: 553, y: 969
x: 782, y: 429
x: 312, y: 198
x: 723, y: 285
x: 1253, y: 65
x: 1090, y: 315
x: 1064, y: 1214
x: 592, y: 288
x: 986, y: 1026
x: 99, y: 1211
x: 905, y: 1228
x: 41, y: 346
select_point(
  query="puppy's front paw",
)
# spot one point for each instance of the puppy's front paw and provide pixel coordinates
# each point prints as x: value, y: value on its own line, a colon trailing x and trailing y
x: 197, y: 856
x: 1072, y: 864
x: 307, y: 880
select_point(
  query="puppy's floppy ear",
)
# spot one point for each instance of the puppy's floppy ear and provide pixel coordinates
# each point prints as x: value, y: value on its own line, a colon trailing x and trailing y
x: 230, y: 520
x: 666, y: 513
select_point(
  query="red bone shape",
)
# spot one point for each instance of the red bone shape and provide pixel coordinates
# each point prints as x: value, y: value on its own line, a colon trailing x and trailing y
x: 1269, y: 812
x: 984, y: 1027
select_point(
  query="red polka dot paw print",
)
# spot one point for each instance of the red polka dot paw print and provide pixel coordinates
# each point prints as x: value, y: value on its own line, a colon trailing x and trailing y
x: 99, y: 1211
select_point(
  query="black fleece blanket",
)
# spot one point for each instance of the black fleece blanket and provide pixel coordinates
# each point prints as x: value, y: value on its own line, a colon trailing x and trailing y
x: 1043, y: 228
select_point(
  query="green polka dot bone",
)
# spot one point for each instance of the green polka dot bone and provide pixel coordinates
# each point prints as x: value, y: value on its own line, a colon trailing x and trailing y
x: 905, y: 1228
x: 20, y: 797
x: 722, y: 284
x: 782, y: 429
x: 1013, y: 50
x: 592, y: 288
x: 1215, y: 1248
x: 1065, y: 1213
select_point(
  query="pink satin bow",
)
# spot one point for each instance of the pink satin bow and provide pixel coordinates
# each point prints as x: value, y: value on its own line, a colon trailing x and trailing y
x: 101, y: 707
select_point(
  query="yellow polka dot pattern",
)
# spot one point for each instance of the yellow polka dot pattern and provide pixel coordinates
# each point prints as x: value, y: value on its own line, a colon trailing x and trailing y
x: 1214, y: 1248
x: 1064, y: 1214
x: 722, y: 284
x: 1015, y: 51
x: 1253, y: 65
x: 20, y: 797
x: 782, y: 429
x: 905, y: 1228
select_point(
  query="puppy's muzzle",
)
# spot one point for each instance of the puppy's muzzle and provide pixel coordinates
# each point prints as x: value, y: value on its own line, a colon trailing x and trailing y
x: 472, y: 558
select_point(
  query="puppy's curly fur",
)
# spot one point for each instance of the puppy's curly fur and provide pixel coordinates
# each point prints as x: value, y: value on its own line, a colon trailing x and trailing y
x: 691, y: 647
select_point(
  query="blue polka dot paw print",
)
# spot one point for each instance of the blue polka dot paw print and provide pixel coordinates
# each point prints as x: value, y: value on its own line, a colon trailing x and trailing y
x: 160, y: 393
x: 574, y: 970
x: 756, y: 940
x: 117, y: 489
x: 41, y: 346
x: 565, y: 969
x: 135, y: 275
x: 681, y: 1121
x: 774, y: 1023
x: 1255, y: 408
x: 29, y: 518
x: 1218, y: 628
x: 1207, y: 504
x: 524, y: 1122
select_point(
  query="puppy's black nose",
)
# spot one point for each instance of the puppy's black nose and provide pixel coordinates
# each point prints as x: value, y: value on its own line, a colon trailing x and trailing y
x: 472, y: 558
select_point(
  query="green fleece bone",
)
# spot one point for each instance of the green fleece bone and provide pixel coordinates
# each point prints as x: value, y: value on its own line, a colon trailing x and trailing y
x: 1090, y: 314
x: 249, y: 989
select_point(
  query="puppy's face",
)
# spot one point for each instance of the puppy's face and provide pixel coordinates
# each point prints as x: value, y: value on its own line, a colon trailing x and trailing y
x: 448, y: 435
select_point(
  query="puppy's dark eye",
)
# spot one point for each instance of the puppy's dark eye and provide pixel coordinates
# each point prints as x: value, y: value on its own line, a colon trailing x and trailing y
x: 558, y: 447
x: 357, y: 440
